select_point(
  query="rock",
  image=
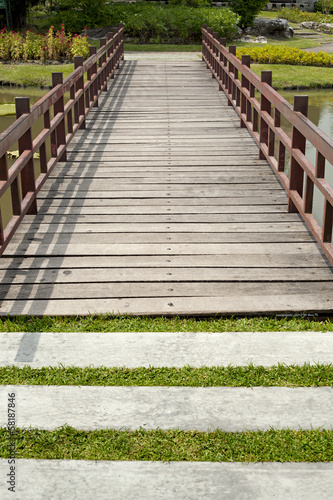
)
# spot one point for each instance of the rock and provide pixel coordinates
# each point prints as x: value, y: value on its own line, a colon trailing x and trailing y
x: 273, y: 27
x: 250, y: 39
x: 247, y: 39
x: 326, y: 28
x: 310, y: 25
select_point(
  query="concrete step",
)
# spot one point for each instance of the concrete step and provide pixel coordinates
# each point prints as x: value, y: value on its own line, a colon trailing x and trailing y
x: 87, y: 480
x: 172, y: 349
x: 188, y: 408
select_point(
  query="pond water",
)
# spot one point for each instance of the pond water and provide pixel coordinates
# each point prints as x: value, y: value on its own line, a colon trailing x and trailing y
x: 320, y: 113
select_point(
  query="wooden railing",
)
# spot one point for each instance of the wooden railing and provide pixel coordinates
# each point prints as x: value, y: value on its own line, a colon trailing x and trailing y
x: 84, y: 86
x: 300, y: 178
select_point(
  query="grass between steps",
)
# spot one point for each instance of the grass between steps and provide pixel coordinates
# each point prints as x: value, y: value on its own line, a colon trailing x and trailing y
x: 124, y: 323
x: 218, y: 446
x: 245, y: 376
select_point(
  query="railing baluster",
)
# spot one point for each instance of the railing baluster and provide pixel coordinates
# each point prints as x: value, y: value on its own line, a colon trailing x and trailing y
x: 57, y: 79
x: 93, y: 87
x: 265, y: 105
x: 298, y: 141
x: 246, y: 61
x: 204, y: 41
x: 42, y: 149
x: 28, y: 184
x: 231, y: 85
x: 102, y: 61
x: 78, y: 61
x: 327, y: 222
x: 110, y: 52
x: 223, y: 42
x: 214, y: 74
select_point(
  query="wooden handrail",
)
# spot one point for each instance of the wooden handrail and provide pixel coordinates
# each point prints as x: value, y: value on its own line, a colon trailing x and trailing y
x: 99, y: 67
x: 273, y: 141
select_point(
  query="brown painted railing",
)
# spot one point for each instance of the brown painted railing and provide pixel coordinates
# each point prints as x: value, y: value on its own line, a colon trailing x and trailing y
x: 60, y: 126
x: 240, y: 85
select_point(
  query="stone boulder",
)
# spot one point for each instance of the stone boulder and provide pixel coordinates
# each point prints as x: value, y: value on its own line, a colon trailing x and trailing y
x: 326, y: 28
x: 270, y: 27
x: 310, y: 25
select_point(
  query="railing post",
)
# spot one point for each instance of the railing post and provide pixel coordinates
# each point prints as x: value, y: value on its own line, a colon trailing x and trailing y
x: 102, y: 62
x: 215, y: 68
x: 209, y: 54
x: 93, y: 87
x: 110, y: 53
x: 57, y: 79
x: 327, y: 222
x: 298, y: 141
x: 28, y: 184
x: 122, y: 41
x: 204, y: 27
x: 232, y: 50
x: 246, y: 61
x: 78, y: 61
x: 223, y: 42
x: 265, y: 105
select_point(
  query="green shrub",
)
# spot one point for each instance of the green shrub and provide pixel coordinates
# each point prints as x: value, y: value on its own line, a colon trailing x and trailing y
x: 324, y: 6
x: 247, y: 10
x: 279, y: 54
x: 147, y: 23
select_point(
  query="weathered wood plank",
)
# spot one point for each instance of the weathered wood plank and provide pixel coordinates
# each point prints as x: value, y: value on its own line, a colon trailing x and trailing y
x: 270, y: 227
x: 258, y: 303
x: 145, y: 245
x: 300, y: 259
x: 217, y: 274
x: 162, y: 218
x: 72, y: 292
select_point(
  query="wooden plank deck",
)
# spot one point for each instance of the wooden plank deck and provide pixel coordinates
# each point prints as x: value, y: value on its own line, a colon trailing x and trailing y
x: 163, y: 208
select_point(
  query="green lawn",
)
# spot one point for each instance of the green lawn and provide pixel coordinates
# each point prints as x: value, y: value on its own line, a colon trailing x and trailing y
x: 32, y: 74
x: 118, y: 323
x: 218, y: 376
x: 297, y: 77
x: 217, y: 446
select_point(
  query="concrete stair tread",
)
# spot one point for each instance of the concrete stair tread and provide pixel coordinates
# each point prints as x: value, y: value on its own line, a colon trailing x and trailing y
x: 232, y: 409
x: 85, y: 480
x: 173, y: 349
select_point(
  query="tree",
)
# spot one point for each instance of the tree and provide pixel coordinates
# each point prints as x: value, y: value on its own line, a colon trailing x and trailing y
x: 18, y: 11
x: 247, y: 10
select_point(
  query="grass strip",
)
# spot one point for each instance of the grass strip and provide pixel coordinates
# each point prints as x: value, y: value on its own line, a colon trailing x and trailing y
x: 231, y: 376
x: 32, y: 74
x: 217, y: 446
x: 127, y: 323
x: 7, y: 109
x: 286, y: 76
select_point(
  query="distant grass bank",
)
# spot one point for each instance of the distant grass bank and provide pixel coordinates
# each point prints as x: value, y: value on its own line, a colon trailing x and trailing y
x: 123, y: 323
x: 32, y: 74
x: 284, y: 76
x: 176, y: 445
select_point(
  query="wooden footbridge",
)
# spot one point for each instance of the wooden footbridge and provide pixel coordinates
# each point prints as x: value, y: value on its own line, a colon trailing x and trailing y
x: 159, y: 201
